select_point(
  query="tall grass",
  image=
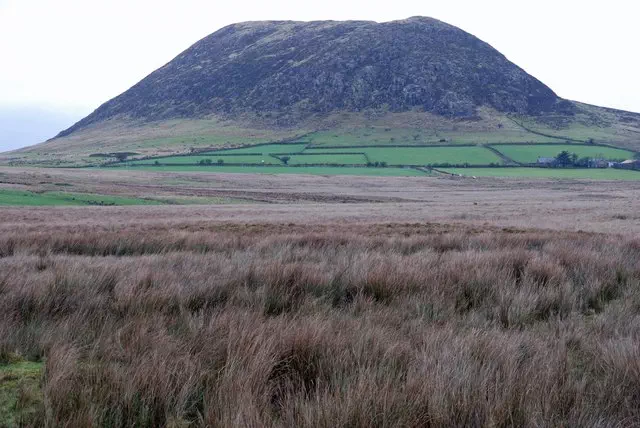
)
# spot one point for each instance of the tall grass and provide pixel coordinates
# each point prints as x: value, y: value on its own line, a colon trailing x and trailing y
x: 329, y: 326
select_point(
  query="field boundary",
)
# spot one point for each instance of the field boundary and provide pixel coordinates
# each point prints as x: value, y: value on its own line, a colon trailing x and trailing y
x: 502, y: 156
x: 412, y: 146
x: 542, y: 133
x: 566, y: 143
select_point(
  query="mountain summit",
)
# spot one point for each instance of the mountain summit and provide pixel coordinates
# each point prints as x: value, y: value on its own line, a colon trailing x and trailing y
x: 296, y: 69
x: 417, y: 81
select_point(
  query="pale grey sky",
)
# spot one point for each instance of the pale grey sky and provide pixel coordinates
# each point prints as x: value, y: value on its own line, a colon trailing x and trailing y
x: 70, y: 56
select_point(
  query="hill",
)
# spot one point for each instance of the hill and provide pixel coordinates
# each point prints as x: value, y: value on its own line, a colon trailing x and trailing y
x: 425, y: 80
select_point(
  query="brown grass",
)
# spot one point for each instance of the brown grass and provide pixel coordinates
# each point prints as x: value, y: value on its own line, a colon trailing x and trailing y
x: 575, y: 205
x: 333, y: 325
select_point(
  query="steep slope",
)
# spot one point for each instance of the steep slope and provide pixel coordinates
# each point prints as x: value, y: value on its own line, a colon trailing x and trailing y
x: 295, y: 69
x: 279, y: 80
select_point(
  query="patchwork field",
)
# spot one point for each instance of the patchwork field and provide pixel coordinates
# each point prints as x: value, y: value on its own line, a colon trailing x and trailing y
x: 226, y: 159
x: 328, y: 160
x: 309, y: 158
x: 529, y: 153
x: 398, y: 156
x: 422, y: 155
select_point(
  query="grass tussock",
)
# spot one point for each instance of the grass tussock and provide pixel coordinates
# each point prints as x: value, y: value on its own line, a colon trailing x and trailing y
x: 391, y: 327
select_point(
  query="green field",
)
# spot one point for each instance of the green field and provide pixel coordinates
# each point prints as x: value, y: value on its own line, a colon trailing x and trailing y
x: 228, y: 159
x: 422, y: 155
x: 328, y: 159
x: 26, y: 198
x: 265, y: 149
x: 529, y: 153
x: 595, y: 174
x: 473, y: 155
x: 317, y: 170
x: 301, y: 154
x: 20, y: 393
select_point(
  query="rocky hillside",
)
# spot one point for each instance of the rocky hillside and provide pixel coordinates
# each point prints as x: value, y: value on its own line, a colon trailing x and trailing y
x: 296, y: 69
x: 416, y: 81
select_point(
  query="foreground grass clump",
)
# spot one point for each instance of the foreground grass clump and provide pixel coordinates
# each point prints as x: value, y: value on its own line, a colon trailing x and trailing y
x: 380, y: 325
x: 21, y: 401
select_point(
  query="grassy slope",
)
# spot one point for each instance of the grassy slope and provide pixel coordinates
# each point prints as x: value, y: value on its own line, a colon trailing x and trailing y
x: 530, y: 153
x: 263, y: 149
x: 179, y: 136
x: 595, y: 174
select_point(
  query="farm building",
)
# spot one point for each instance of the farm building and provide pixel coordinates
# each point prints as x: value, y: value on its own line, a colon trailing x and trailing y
x: 546, y: 161
x: 630, y: 164
x: 598, y: 163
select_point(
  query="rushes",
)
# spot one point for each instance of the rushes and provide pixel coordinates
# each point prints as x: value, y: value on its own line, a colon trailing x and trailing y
x: 327, y: 328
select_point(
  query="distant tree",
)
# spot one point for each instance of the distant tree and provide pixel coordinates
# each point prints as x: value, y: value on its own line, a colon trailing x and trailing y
x: 285, y: 159
x: 156, y: 163
x: 574, y: 158
x: 220, y: 161
x: 205, y: 162
x: 590, y: 141
x: 583, y: 162
x: 563, y: 159
x: 383, y: 164
x: 121, y: 157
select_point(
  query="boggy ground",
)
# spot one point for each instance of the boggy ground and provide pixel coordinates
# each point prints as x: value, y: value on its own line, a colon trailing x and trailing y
x: 198, y: 322
x: 595, y: 206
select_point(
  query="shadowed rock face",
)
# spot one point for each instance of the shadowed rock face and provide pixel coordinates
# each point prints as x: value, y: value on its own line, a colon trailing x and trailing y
x: 304, y: 68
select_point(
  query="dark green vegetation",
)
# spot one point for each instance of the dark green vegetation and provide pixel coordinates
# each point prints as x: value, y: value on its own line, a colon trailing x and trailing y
x: 21, y: 398
x: 377, y: 325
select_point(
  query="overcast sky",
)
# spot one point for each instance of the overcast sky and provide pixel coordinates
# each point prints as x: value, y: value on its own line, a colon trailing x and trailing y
x: 61, y: 59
